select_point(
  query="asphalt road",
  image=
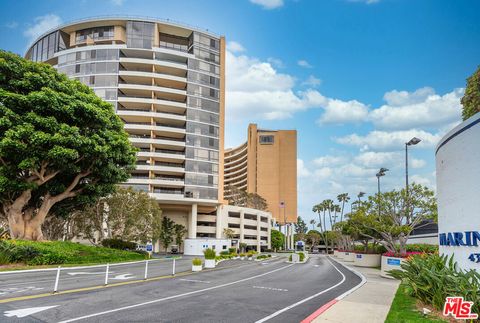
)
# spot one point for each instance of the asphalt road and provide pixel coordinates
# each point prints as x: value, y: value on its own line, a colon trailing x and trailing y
x: 241, y: 291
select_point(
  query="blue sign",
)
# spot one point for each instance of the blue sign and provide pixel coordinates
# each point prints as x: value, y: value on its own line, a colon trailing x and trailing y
x: 393, y: 262
x: 467, y: 238
x: 149, y: 247
x: 359, y: 256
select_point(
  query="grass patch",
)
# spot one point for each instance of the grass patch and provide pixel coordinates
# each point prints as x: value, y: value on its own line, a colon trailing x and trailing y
x: 404, y: 309
x: 33, y: 253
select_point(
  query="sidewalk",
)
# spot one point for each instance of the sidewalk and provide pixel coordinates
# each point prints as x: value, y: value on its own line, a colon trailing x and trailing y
x: 368, y: 304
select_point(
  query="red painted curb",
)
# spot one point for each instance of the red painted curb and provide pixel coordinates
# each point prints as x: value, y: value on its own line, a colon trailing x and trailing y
x: 317, y: 313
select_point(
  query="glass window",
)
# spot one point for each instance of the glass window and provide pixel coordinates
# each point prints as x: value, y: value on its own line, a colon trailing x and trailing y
x: 204, y: 142
x: 96, y: 33
x: 194, y: 89
x: 203, y: 104
x: 202, y: 129
x: 201, y: 154
x: 266, y: 140
x: 197, y: 65
x: 140, y: 34
x: 202, y: 116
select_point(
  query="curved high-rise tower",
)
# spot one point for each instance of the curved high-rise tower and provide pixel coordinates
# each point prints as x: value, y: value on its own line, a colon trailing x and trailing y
x: 167, y: 83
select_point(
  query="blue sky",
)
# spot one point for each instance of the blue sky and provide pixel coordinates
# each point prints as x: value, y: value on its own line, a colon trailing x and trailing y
x: 356, y: 78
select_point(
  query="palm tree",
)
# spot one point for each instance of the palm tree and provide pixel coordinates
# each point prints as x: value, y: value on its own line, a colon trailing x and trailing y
x: 343, y: 198
x: 312, y: 222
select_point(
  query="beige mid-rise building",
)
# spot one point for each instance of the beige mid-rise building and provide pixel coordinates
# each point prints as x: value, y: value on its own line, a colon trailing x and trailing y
x: 266, y: 164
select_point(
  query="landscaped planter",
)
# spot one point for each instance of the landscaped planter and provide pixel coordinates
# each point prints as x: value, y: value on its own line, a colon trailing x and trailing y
x: 367, y: 260
x: 209, y: 263
x: 390, y: 263
x: 196, y: 268
x: 349, y: 256
x: 341, y: 254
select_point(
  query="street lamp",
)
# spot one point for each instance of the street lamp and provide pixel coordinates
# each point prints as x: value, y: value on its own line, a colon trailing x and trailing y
x: 380, y: 173
x: 412, y: 142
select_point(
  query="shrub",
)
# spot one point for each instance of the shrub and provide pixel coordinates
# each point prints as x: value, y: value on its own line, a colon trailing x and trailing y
x: 225, y: 253
x: 196, y: 262
x: 371, y: 249
x: 209, y: 253
x: 250, y: 254
x: 301, y: 255
x: 431, y: 278
x: 405, y: 255
x: 232, y: 250
x: 242, y: 255
x: 422, y: 247
x: 119, y: 244
x: 290, y: 258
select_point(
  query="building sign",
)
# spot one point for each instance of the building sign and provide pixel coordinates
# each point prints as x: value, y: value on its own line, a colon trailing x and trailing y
x: 393, y: 262
x: 466, y: 238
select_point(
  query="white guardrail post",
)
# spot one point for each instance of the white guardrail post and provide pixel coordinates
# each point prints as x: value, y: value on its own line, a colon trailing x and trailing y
x: 146, y: 269
x: 173, y: 270
x: 106, y: 274
x: 57, y: 278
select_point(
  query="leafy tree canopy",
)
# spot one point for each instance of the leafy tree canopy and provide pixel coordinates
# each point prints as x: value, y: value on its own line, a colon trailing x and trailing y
x: 471, y: 98
x: 60, y: 145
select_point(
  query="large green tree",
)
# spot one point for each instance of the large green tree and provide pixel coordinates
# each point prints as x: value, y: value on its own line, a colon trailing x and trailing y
x: 126, y: 214
x: 167, y: 232
x: 60, y: 145
x: 277, y: 239
x: 398, y: 216
x: 471, y: 98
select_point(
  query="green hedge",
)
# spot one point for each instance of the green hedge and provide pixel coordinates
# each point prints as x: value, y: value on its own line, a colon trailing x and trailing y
x: 60, y: 252
x: 119, y: 244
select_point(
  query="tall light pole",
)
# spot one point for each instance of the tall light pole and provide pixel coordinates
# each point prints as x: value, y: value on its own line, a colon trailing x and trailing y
x: 380, y: 173
x: 412, y: 142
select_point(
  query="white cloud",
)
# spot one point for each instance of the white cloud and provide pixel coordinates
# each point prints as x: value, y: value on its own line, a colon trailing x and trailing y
x: 276, y: 62
x: 302, y: 170
x: 421, y: 108
x: 384, y: 140
x: 329, y: 160
x: 41, y: 25
x: 337, y: 111
x: 304, y: 63
x: 389, y: 159
x: 312, y: 81
x: 11, y: 25
x: 268, y: 4
x: 257, y: 90
x: 235, y: 47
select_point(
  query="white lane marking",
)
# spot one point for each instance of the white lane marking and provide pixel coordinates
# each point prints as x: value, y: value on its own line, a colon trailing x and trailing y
x: 316, y: 265
x: 305, y: 299
x: 27, y: 311
x: 88, y: 273
x: 123, y: 277
x: 271, y: 288
x: 348, y: 292
x: 174, y: 296
x: 194, y: 281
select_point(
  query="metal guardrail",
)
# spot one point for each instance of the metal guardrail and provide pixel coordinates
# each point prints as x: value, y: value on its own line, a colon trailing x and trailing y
x: 108, y: 266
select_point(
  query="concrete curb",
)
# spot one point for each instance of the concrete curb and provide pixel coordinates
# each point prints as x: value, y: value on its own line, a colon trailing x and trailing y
x: 326, y: 306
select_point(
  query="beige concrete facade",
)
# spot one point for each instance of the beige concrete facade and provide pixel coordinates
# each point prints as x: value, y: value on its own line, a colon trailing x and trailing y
x: 267, y: 165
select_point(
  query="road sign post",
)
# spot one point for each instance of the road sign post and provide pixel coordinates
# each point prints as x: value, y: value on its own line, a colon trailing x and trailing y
x: 106, y: 274
x: 146, y: 269
x: 57, y: 278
